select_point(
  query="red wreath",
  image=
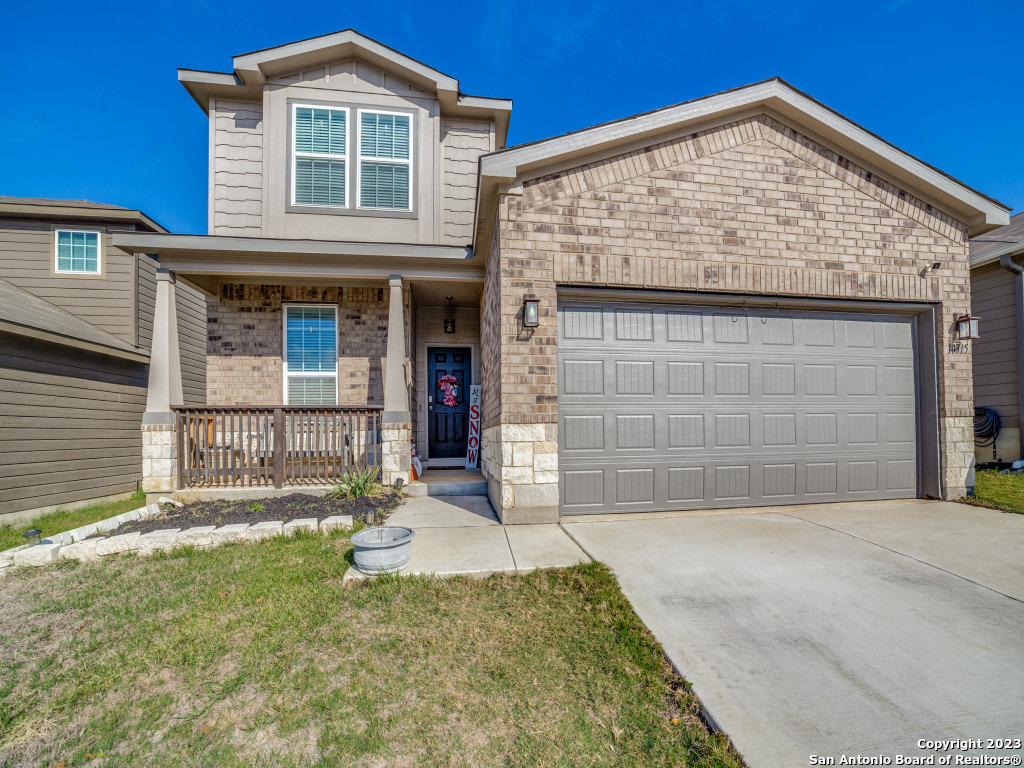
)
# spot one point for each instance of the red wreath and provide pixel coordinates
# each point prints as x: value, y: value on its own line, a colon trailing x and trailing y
x: 448, y: 385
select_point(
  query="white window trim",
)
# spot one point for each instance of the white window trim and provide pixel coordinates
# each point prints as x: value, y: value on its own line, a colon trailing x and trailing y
x: 320, y: 155
x: 394, y: 161
x: 56, y: 252
x: 300, y: 374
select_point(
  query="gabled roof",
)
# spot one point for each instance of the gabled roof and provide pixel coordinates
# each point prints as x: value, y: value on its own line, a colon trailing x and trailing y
x: 26, y: 314
x: 980, y: 212
x: 250, y: 72
x: 44, y: 207
x: 988, y: 247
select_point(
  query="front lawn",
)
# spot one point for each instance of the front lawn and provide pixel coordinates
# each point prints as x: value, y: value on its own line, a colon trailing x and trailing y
x: 62, y: 520
x: 257, y: 654
x: 998, y: 491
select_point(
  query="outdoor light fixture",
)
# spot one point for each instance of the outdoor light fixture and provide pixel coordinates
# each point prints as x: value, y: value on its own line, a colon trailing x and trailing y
x: 449, y: 322
x: 931, y: 267
x: 32, y: 537
x: 531, y: 311
x: 967, y: 327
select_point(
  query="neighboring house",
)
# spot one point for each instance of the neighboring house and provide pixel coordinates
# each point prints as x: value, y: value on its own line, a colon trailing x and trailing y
x: 997, y: 297
x: 719, y: 303
x: 76, y: 319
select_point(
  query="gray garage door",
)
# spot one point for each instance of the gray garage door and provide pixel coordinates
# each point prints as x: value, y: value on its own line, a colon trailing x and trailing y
x: 667, y: 407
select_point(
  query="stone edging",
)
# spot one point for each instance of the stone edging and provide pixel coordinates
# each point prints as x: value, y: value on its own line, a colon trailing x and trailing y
x: 75, y: 545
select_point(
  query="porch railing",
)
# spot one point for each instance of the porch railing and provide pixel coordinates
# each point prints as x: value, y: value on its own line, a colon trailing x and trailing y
x: 268, y: 446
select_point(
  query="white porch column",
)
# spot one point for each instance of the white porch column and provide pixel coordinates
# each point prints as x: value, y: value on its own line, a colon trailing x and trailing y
x: 397, y: 421
x: 159, y: 447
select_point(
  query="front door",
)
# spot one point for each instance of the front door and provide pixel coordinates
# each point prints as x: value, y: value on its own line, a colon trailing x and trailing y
x: 448, y: 402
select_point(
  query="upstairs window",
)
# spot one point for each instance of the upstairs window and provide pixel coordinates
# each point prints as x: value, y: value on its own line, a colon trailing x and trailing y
x: 310, y: 355
x: 320, y: 159
x: 77, y: 252
x: 385, y: 160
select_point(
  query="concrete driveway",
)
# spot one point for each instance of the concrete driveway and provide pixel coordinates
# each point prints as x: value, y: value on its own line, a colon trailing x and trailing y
x: 834, y: 630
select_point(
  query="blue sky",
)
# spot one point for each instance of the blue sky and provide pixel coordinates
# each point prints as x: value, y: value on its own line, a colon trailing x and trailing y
x: 92, y: 109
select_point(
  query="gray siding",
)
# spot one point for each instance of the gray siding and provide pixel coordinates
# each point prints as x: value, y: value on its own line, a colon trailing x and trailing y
x: 995, y: 353
x: 462, y: 143
x: 191, y: 307
x: 70, y: 424
x: 237, y: 199
x: 192, y: 343
x: 107, y: 301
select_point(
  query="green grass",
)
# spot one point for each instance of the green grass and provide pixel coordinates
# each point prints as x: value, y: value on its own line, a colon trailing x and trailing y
x: 62, y: 520
x: 257, y: 654
x: 997, y: 491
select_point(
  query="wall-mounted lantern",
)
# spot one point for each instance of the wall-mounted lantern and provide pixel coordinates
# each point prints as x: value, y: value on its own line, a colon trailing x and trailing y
x: 531, y: 311
x: 449, y: 322
x: 967, y: 327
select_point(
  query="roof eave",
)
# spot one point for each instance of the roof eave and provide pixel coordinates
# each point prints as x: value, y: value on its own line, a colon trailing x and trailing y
x: 201, y: 85
x: 72, y: 212
x: 1011, y: 249
x: 336, y: 46
x: 144, y: 242
x: 69, y: 341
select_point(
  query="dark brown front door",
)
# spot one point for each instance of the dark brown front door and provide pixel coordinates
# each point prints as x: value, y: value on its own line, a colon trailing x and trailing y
x: 448, y: 402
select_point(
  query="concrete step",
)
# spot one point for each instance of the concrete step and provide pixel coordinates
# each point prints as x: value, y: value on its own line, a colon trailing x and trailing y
x: 448, y: 483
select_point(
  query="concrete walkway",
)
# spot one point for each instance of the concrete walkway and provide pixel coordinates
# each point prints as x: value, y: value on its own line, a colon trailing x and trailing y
x: 462, y: 535
x: 834, y: 630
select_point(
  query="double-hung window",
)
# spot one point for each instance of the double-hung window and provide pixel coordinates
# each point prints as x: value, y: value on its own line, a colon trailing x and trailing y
x: 310, y: 354
x: 320, y: 156
x: 77, y: 252
x: 385, y: 160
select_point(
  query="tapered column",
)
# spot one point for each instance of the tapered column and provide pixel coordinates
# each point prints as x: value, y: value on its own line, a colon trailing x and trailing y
x: 159, y: 451
x: 396, y: 433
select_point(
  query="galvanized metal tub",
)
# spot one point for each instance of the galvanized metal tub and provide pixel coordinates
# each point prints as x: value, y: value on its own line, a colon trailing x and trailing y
x: 383, y: 549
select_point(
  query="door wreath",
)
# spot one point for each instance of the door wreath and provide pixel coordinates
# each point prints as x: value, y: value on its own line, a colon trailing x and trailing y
x: 449, y: 385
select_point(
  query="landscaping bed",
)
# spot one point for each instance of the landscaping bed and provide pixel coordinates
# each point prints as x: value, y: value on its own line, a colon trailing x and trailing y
x: 261, y: 655
x: 295, y: 506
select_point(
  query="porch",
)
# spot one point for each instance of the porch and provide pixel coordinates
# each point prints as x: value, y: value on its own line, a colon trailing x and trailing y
x: 312, y: 372
x: 255, y: 447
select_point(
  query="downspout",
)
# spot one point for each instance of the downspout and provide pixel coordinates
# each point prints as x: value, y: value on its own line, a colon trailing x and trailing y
x: 1007, y: 263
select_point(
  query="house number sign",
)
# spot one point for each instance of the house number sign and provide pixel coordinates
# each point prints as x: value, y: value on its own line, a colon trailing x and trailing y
x: 473, y: 444
x: 959, y: 347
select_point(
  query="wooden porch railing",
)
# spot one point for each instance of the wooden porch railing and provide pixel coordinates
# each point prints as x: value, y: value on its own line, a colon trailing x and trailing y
x: 268, y: 446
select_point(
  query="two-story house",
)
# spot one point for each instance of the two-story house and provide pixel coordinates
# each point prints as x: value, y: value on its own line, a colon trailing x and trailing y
x: 745, y: 299
x: 76, y: 325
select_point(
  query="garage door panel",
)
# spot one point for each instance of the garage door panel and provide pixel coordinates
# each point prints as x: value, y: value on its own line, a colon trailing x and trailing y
x: 761, y: 430
x: 635, y: 486
x: 667, y: 407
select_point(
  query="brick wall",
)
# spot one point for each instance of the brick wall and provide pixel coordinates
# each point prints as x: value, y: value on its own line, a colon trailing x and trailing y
x: 752, y: 206
x: 245, y: 336
x: 491, y: 330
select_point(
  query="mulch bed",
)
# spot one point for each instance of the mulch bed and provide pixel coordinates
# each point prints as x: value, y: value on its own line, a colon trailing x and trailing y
x: 295, y: 506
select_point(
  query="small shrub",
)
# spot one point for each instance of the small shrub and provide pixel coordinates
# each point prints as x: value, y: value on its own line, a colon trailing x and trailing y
x: 256, y: 507
x: 352, y: 485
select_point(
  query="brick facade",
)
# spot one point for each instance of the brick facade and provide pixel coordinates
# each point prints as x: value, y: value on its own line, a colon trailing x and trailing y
x: 245, y: 337
x: 748, y: 207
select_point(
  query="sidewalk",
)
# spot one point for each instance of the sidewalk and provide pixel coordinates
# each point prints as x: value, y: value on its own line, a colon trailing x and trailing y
x: 461, y: 535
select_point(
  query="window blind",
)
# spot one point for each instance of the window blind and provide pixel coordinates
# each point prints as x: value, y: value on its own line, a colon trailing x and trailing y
x: 320, y: 156
x: 312, y: 355
x: 319, y: 182
x: 385, y: 136
x: 320, y: 131
x: 385, y: 160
